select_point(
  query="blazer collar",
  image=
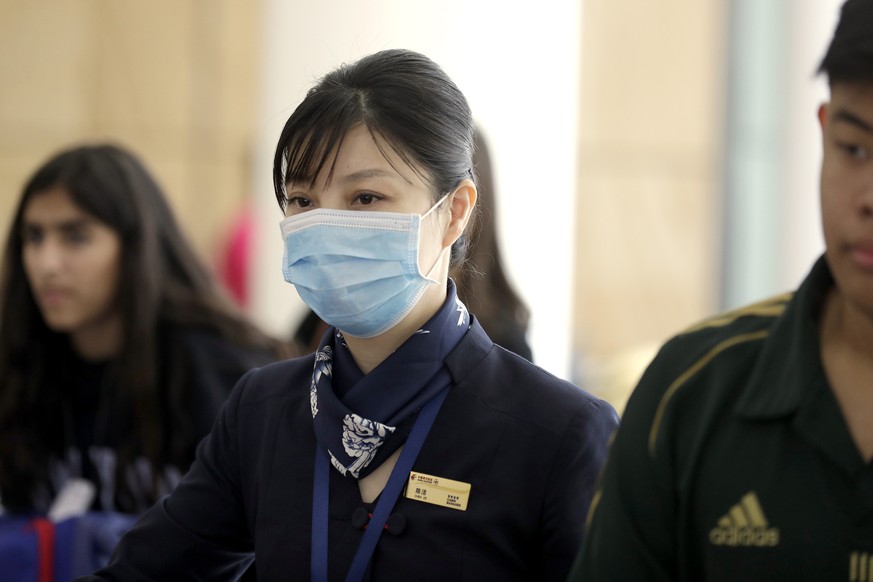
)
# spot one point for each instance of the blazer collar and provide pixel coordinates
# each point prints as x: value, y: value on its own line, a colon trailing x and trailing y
x: 471, y: 350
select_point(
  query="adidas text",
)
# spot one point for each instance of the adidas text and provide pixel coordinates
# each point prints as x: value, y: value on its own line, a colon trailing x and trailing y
x: 744, y: 536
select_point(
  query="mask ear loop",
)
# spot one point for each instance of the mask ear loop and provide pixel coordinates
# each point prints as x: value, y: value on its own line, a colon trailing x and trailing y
x: 443, y: 252
x: 435, y: 206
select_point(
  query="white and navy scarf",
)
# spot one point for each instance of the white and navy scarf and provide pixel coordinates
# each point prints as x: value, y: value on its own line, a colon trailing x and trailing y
x: 354, y: 414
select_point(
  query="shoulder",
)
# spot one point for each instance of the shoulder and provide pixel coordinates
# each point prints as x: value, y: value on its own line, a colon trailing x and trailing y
x: 289, y: 378
x: 702, y: 371
x: 261, y: 398
x: 512, y: 386
x: 726, y: 339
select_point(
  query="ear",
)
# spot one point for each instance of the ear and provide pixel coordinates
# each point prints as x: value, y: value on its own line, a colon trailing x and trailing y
x: 461, y: 204
x: 823, y: 115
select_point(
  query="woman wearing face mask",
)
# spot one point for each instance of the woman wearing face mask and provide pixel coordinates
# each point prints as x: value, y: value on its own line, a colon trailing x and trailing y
x: 408, y: 446
x: 481, y: 281
x: 117, y: 347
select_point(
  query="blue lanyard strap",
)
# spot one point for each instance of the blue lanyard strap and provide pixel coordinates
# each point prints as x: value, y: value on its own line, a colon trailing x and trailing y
x: 387, y: 499
x: 320, y: 492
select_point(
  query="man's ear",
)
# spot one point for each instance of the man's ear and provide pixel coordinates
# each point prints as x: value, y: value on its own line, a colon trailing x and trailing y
x: 461, y: 204
x: 823, y: 115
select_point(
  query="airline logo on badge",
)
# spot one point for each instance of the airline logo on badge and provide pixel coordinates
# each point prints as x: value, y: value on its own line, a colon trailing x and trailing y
x: 745, y: 525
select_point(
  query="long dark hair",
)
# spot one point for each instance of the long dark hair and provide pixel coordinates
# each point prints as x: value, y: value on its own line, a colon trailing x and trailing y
x: 401, y: 96
x: 162, y: 284
x: 482, y: 281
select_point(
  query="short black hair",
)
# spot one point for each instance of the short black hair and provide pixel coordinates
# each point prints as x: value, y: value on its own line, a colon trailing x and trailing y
x: 849, y: 58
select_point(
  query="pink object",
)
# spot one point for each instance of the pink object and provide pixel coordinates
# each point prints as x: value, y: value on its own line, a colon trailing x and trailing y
x: 233, y: 261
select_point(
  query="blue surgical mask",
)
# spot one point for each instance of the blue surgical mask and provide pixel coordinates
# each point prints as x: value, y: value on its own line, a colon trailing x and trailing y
x: 358, y: 271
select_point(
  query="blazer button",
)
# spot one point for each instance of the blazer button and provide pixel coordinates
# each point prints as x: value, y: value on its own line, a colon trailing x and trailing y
x: 360, y: 518
x: 396, y: 524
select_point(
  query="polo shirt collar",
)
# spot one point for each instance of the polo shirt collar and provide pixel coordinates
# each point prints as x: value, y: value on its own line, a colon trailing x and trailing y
x: 789, y: 371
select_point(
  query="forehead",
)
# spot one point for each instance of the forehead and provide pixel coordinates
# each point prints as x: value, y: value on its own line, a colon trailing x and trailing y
x: 855, y: 96
x: 51, y: 206
x: 360, y: 153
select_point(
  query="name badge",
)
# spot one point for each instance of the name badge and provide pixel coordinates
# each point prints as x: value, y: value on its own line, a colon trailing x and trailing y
x: 438, y: 491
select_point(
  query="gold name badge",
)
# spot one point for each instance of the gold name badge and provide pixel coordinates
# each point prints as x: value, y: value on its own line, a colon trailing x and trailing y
x: 438, y: 491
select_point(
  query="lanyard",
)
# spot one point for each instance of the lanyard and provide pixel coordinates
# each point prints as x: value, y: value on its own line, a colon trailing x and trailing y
x: 387, y: 499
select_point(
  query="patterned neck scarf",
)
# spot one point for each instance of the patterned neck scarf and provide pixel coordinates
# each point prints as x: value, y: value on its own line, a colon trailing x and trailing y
x: 352, y: 428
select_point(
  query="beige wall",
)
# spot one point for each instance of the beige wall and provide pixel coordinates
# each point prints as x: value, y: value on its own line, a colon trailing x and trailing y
x: 174, y: 80
x: 647, y: 214
x: 177, y: 81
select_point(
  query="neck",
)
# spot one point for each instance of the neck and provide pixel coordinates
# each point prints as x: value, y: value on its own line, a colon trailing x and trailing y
x: 100, y: 340
x: 845, y: 325
x: 369, y: 353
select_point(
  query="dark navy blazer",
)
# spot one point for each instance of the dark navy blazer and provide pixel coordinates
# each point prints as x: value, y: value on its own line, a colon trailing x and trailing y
x: 530, y: 445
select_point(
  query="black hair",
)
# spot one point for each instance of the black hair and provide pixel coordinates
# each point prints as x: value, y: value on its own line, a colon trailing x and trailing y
x: 483, y: 284
x: 162, y: 284
x: 399, y: 95
x: 849, y: 58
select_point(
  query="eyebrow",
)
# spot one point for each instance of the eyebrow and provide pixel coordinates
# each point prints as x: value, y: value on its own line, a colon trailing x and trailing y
x: 853, y: 119
x: 65, y: 226
x: 372, y: 173
x: 357, y: 176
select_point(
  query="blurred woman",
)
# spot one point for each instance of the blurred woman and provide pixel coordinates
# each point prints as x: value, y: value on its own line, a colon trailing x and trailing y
x: 117, y: 347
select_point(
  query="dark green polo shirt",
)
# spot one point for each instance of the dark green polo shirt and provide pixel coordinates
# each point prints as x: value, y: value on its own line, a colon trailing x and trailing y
x: 733, y: 460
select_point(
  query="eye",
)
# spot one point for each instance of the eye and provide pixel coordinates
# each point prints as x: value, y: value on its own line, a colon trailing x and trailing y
x: 854, y: 151
x: 76, y: 236
x: 31, y: 235
x: 367, y: 198
x: 293, y: 202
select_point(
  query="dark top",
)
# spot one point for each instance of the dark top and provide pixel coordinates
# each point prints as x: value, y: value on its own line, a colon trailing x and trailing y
x: 733, y: 461
x: 86, y: 383
x: 211, y: 366
x: 529, y: 444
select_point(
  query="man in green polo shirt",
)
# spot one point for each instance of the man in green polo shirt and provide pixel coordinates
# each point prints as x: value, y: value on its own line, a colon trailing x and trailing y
x: 745, y: 451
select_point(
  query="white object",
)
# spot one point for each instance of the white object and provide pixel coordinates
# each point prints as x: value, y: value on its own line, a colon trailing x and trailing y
x: 74, y: 499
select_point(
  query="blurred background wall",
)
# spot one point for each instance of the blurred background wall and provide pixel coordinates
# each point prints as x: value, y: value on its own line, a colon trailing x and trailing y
x: 698, y: 168
x: 174, y: 80
x: 655, y: 161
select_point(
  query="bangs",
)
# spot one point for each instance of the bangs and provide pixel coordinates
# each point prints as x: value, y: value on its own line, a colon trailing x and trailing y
x: 100, y: 180
x: 314, y: 134
x: 311, y: 139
